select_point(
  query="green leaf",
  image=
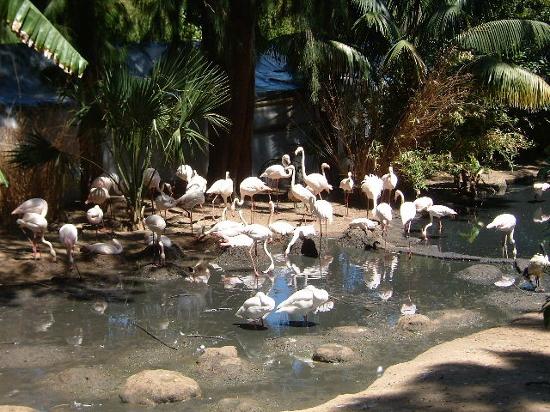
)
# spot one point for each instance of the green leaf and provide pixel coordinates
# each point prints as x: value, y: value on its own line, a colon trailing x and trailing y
x: 511, y: 84
x: 506, y: 37
x: 403, y: 49
x: 3, y: 179
x: 448, y: 17
x: 378, y: 22
x: 35, y: 30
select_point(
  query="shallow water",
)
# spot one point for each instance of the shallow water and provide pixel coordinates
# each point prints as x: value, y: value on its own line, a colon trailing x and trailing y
x: 50, y: 327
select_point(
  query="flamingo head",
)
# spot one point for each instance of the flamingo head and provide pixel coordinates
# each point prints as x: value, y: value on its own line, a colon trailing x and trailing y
x: 390, y: 169
x: 300, y: 149
x: 285, y: 160
x: 325, y: 166
x: 227, y: 174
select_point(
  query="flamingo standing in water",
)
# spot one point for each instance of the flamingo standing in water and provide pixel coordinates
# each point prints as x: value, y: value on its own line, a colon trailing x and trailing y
x: 372, y: 187
x: 258, y: 233
x: 347, y: 186
x: 298, y: 191
x: 250, y: 187
x: 305, y: 301
x: 38, y: 225
x: 323, y: 211
x: 68, y: 236
x: 439, y: 212
x: 222, y: 188
x: 407, y: 212
x: 317, y: 182
x: 505, y: 223
x: 539, y: 188
x: 256, y: 308
x: 277, y: 172
x: 280, y: 227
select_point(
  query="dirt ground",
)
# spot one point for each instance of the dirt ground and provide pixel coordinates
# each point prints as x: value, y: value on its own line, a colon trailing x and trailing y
x: 499, y: 369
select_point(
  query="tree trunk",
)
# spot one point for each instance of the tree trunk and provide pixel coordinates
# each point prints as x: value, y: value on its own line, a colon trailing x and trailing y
x: 232, y: 151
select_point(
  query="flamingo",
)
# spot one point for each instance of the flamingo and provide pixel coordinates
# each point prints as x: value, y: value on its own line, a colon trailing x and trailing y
x: 439, y: 212
x: 316, y: 181
x: 277, y: 172
x: 323, y: 211
x: 104, y: 248
x: 301, y: 232
x: 257, y: 233
x: 304, y: 301
x: 407, y: 212
x: 164, y: 202
x: 383, y: 213
x: 108, y: 181
x: 505, y: 223
x: 389, y: 181
x: 423, y: 203
x: 95, y: 216
x: 222, y: 188
x: 224, y: 227
x: 363, y: 223
x: 280, y: 227
x: 184, y: 172
x: 372, y: 187
x: 34, y: 205
x: 536, y: 267
x: 347, y: 186
x: 298, y: 191
x: 256, y: 308
x: 196, y: 182
x: 240, y: 240
x: 157, y: 224
x: 38, y: 225
x: 193, y: 197
x: 68, y: 236
x: 99, y: 196
x: 200, y: 273
x: 249, y: 187
x: 539, y: 188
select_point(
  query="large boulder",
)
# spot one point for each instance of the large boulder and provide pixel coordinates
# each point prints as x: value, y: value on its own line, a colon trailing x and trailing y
x: 333, y: 353
x: 414, y: 323
x: 151, y: 387
x: 480, y: 274
x: 224, y: 366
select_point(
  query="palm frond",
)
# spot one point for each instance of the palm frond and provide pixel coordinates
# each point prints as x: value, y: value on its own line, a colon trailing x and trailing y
x: 346, y: 59
x: 511, y: 84
x: 404, y: 49
x: 505, y: 37
x: 35, y: 30
x: 372, y: 6
x: 449, y: 17
x: 3, y: 179
x: 378, y: 22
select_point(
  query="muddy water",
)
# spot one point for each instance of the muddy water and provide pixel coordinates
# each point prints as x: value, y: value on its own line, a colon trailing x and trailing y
x: 50, y: 330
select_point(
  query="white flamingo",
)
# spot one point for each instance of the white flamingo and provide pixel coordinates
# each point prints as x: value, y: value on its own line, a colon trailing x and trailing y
x: 372, y: 187
x: 258, y: 233
x: 538, y: 264
x: 184, y: 172
x: 407, y: 211
x: 34, y: 205
x: 390, y: 182
x: 276, y: 173
x: 222, y: 188
x: 322, y: 210
x: 423, y: 203
x: 250, y: 187
x: 157, y: 225
x: 68, y: 236
x: 347, y: 186
x: 240, y: 240
x: 439, y: 212
x: 364, y: 223
x: 280, y: 227
x: 383, y: 214
x: 99, y: 196
x: 38, y: 225
x: 114, y: 248
x: 298, y: 191
x: 196, y: 182
x: 193, y: 197
x: 316, y: 181
x: 539, y: 188
x: 108, y: 181
x: 224, y: 227
x: 94, y: 216
x: 305, y: 301
x: 256, y: 308
x: 505, y: 223
x: 301, y: 232
x: 163, y: 202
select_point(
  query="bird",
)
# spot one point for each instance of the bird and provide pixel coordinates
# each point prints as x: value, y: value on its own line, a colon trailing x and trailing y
x: 165, y: 240
x: 256, y: 308
x: 250, y: 187
x: 240, y: 240
x: 505, y: 223
x: 298, y: 191
x: 189, y: 200
x: 151, y: 180
x: 276, y: 173
x: 157, y: 224
x: 184, y: 172
x: 439, y: 212
x: 422, y: 203
x: 38, y: 225
x: 34, y: 205
x: 383, y: 214
x: 407, y: 212
x: 536, y: 267
x: 323, y: 211
x: 258, y: 233
x: 363, y: 223
x: 108, y: 181
x: 99, y: 196
x: 280, y: 227
x: 222, y: 188
x: 68, y: 236
x: 95, y: 216
x: 347, y: 186
x: 196, y: 182
x: 104, y: 248
x: 225, y: 227
x: 200, y: 273
x: 316, y: 181
x: 163, y: 202
x: 539, y: 188
x: 389, y: 181
x: 301, y: 232
x: 304, y: 301
x: 372, y: 187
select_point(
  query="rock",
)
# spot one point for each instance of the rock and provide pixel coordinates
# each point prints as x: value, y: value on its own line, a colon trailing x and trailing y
x: 237, y: 258
x: 238, y: 405
x: 82, y: 382
x: 217, y: 353
x: 358, y: 238
x: 414, y: 323
x: 14, y: 408
x: 480, y: 274
x: 349, y: 331
x: 306, y: 247
x: 333, y: 353
x: 151, y: 387
x: 167, y: 272
x: 456, y: 318
x: 223, y: 366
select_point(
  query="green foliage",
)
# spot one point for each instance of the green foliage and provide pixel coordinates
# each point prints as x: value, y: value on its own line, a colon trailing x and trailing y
x: 416, y: 166
x: 3, y: 179
x: 34, y: 29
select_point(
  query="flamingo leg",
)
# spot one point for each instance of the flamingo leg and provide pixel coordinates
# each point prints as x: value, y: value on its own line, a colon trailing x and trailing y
x: 252, y: 260
x: 191, y: 219
x: 277, y: 207
x: 505, y: 246
x: 440, y: 226
x: 347, y: 203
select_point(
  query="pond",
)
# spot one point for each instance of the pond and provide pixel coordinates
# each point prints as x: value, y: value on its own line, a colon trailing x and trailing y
x: 49, y: 328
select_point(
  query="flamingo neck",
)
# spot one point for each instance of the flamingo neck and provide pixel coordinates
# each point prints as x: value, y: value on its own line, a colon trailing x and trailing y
x: 271, y: 208
x: 242, y: 218
x: 293, y: 175
x: 224, y: 213
x: 401, y: 196
x: 272, y: 264
x: 303, y: 164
